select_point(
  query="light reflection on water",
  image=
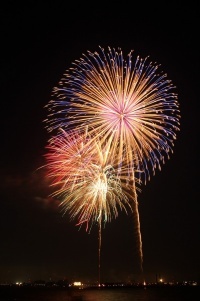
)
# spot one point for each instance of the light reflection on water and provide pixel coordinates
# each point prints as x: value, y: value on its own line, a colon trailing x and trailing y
x: 115, y: 295
x: 131, y: 294
x: 141, y: 294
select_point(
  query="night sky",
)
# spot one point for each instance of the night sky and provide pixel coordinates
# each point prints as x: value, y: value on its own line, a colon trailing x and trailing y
x: 38, y: 43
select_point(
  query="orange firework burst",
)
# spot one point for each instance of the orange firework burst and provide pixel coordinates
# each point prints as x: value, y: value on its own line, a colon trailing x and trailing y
x: 86, y: 177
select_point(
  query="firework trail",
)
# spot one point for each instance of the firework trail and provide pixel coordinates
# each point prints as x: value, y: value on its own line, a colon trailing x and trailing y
x: 129, y: 103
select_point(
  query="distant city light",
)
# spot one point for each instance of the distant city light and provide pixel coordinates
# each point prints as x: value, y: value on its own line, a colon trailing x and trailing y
x: 77, y: 283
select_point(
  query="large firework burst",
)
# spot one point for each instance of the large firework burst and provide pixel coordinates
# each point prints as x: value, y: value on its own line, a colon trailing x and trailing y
x: 129, y: 101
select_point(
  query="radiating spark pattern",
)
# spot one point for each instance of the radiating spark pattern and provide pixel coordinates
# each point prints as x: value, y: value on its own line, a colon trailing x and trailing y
x: 129, y: 101
x: 86, y: 178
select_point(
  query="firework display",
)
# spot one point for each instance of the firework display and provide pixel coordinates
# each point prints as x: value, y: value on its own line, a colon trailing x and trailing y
x: 112, y: 121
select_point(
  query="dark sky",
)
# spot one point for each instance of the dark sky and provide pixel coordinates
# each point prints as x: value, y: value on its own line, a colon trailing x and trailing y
x: 38, y: 43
